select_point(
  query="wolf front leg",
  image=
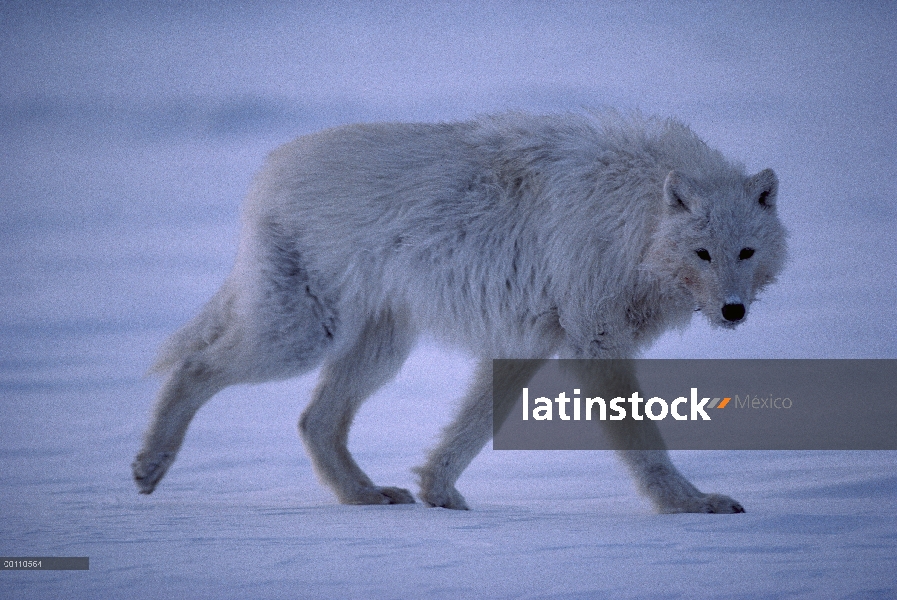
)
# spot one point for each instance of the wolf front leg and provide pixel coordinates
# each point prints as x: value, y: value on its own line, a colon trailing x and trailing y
x: 471, y: 429
x: 641, y: 446
x: 668, y: 489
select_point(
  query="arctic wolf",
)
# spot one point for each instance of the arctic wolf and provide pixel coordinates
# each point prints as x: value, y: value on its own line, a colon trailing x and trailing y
x: 516, y: 236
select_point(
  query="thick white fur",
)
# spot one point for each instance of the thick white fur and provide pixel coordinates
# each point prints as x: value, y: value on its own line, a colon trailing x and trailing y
x: 511, y: 236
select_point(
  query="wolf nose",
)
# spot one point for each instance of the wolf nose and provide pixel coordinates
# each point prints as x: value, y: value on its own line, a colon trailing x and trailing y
x: 733, y: 312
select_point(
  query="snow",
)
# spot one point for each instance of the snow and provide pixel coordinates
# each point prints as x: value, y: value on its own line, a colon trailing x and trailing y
x: 130, y: 135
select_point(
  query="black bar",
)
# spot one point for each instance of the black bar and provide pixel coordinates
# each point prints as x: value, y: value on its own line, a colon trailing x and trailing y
x: 44, y: 563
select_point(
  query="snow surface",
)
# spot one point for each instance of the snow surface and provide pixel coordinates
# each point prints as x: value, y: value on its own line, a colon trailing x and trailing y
x: 130, y: 134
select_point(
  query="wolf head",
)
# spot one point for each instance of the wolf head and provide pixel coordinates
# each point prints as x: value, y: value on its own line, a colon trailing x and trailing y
x: 720, y: 240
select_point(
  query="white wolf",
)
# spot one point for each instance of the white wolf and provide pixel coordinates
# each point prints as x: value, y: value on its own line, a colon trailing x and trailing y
x: 514, y: 236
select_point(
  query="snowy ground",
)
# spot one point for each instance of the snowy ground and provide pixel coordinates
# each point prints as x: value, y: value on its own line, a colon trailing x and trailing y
x: 131, y: 134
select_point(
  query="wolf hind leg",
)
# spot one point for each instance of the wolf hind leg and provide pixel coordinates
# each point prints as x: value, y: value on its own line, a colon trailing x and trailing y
x: 469, y: 432
x: 346, y: 381
x: 191, y: 383
x: 215, y: 350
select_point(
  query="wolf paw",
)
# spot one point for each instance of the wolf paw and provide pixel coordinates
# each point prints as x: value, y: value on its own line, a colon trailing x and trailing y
x: 149, y: 468
x: 380, y: 495
x: 706, y: 503
x: 448, y: 498
x: 718, y: 503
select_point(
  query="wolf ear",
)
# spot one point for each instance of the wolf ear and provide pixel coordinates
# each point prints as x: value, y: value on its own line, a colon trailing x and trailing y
x: 678, y: 194
x: 763, y: 188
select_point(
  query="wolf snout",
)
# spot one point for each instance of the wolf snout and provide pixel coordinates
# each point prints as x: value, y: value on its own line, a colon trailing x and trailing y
x: 733, y: 312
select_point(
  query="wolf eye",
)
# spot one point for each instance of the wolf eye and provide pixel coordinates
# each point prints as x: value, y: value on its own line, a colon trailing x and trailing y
x: 703, y: 254
x: 745, y: 253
